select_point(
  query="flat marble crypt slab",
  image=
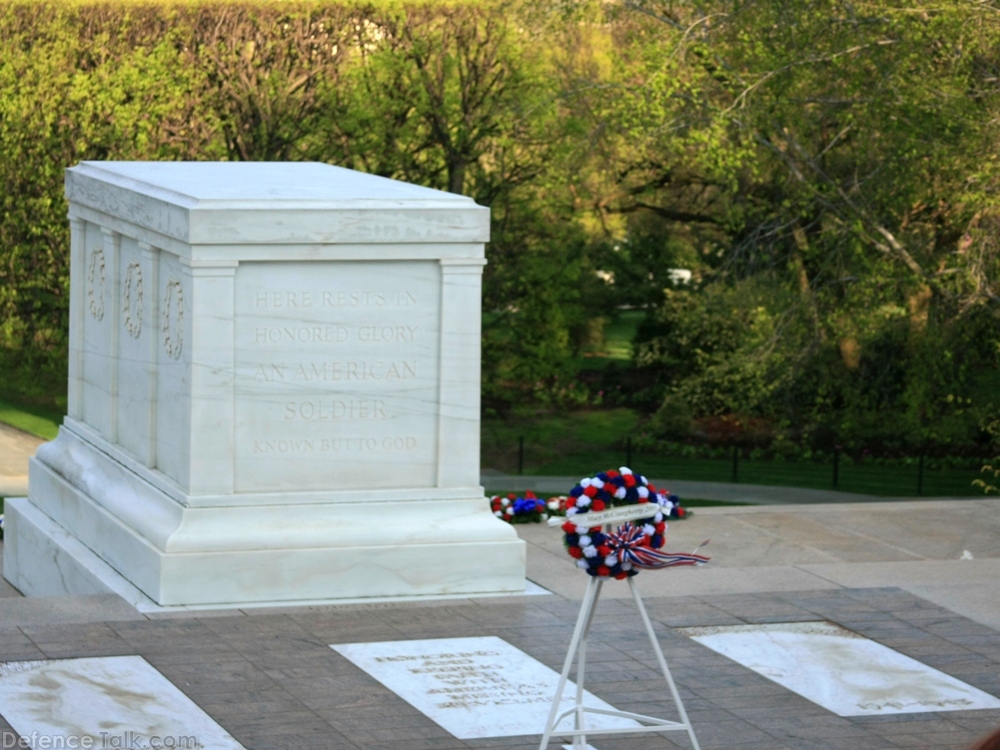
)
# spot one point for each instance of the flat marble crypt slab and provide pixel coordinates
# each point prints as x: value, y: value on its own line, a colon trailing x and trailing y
x: 103, y: 702
x: 840, y: 670
x: 472, y: 687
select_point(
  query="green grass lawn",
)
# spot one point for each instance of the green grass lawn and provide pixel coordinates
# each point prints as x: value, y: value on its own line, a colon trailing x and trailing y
x: 617, y: 341
x: 37, y: 419
x: 551, y: 438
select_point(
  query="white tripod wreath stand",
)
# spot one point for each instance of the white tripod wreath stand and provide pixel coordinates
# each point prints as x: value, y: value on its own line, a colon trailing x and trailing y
x: 578, y: 648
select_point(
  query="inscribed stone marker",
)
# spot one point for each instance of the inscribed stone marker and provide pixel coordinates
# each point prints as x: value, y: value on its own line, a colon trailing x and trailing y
x: 337, y: 375
x: 116, y: 701
x: 840, y: 670
x: 473, y: 687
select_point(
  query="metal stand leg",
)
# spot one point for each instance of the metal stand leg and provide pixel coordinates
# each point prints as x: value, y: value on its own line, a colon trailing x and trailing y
x: 580, y: 741
x: 663, y: 663
x: 578, y: 648
x: 583, y: 621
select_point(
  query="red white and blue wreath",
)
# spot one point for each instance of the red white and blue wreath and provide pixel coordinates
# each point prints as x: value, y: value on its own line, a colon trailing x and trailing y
x: 637, y: 544
x: 515, y: 509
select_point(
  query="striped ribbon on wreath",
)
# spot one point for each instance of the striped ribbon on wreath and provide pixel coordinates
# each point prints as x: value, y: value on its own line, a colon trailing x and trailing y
x: 630, y: 544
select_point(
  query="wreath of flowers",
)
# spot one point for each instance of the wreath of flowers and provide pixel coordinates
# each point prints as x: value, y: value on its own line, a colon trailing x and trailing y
x: 557, y: 505
x: 636, y: 544
x: 514, y: 509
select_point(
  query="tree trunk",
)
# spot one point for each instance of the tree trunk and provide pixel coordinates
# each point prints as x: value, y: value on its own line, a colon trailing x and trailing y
x: 456, y: 176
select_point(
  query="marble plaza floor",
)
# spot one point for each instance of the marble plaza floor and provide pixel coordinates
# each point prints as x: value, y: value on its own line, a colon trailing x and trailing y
x: 898, y: 574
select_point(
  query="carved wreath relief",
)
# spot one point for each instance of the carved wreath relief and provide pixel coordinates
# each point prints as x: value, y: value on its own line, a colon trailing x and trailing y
x: 95, y: 283
x: 132, y: 300
x: 173, y: 319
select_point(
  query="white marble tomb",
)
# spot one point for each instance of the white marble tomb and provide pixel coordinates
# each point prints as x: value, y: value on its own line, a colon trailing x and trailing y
x: 103, y: 702
x: 840, y: 670
x: 273, y: 393
x: 473, y: 687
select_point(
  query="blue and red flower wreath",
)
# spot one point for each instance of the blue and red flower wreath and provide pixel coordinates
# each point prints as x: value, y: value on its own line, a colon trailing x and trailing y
x: 635, y: 545
x: 515, y: 509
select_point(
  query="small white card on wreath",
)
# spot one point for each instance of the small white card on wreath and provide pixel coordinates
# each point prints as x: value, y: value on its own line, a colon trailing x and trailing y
x: 619, y: 514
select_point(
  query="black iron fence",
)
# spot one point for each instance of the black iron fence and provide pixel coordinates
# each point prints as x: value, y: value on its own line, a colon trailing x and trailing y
x: 871, y: 472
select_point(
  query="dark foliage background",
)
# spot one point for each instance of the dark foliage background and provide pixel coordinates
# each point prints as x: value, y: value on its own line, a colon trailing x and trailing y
x: 827, y: 171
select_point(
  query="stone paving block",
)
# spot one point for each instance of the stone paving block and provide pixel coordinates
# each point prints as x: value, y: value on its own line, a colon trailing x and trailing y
x: 75, y: 633
x: 378, y: 735
x: 952, y: 626
x: 328, y: 740
x: 237, y: 707
x: 179, y: 653
x: 933, y: 724
x: 838, y: 598
x: 728, y: 731
x: 518, y: 617
x: 68, y: 650
x: 356, y: 723
x: 263, y: 625
x: 296, y: 721
x: 787, y: 617
x: 742, y: 698
x: 667, y: 741
x: 13, y: 640
x: 943, y: 649
x: 508, y: 743
x: 860, y: 619
x: 829, y: 743
x: 979, y: 722
x: 796, y: 729
x: 944, y: 741
x: 698, y: 616
x: 340, y: 633
x: 202, y: 614
x: 418, y: 743
x: 28, y: 652
x: 761, y: 715
x: 284, y: 660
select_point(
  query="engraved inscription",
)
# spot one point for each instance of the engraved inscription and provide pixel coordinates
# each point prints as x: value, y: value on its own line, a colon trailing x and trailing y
x: 173, y: 319
x: 475, y: 687
x: 367, y: 298
x: 337, y: 375
x: 337, y: 445
x: 375, y: 334
x: 300, y: 335
x: 333, y: 371
x: 335, y: 410
x: 95, y: 283
x: 132, y: 300
x: 472, y: 679
x: 333, y: 334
